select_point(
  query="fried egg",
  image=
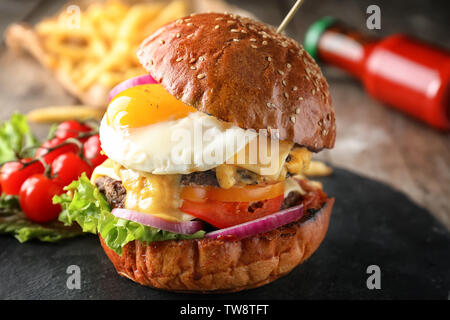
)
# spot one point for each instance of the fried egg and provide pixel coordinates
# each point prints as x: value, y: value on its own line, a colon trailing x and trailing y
x: 147, y: 129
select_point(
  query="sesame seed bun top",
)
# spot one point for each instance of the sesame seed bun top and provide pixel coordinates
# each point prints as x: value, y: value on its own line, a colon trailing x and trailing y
x: 241, y: 71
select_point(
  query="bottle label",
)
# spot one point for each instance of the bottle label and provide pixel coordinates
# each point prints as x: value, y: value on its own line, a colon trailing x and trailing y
x: 341, y: 45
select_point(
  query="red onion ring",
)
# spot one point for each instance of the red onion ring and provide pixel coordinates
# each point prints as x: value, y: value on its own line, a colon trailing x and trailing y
x: 260, y: 225
x: 136, y: 81
x: 184, y: 227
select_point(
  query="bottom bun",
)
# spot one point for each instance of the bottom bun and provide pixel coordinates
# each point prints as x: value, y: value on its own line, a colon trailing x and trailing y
x: 213, y: 265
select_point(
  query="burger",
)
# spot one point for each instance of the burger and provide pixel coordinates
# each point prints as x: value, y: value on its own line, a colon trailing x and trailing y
x: 203, y: 189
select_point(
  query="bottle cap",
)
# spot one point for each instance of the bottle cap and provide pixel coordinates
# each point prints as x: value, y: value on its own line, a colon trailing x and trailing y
x: 313, y: 34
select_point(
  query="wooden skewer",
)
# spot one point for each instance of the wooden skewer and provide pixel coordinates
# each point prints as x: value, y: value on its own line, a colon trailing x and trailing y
x: 289, y: 16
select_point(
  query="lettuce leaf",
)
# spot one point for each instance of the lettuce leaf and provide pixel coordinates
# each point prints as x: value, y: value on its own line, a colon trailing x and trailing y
x: 16, y: 138
x: 84, y: 204
x: 13, y: 221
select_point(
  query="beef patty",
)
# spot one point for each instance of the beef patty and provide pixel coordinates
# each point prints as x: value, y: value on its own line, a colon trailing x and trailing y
x: 115, y: 192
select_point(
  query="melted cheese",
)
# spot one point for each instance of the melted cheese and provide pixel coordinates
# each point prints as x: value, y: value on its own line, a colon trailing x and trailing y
x: 226, y: 176
x: 266, y: 162
x: 158, y: 195
x: 300, y: 160
x: 291, y: 185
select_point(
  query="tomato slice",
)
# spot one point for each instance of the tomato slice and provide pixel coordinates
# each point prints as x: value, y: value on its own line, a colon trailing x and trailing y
x: 223, y: 214
x: 234, y: 194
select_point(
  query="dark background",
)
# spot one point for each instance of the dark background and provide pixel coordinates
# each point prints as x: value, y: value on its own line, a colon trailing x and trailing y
x: 428, y: 20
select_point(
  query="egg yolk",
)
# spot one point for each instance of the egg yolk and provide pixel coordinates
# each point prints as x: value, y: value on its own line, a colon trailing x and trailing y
x: 144, y: 105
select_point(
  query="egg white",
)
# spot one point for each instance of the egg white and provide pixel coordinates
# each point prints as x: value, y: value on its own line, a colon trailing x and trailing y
x: 197, y: 142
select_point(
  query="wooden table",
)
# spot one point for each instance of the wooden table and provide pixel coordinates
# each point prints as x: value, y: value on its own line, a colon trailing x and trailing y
x: 372, y: 140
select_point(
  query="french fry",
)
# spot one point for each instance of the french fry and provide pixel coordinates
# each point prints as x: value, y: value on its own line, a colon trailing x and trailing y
x: 100, y: 52
x: 63, y: 113
x: 318, y: 169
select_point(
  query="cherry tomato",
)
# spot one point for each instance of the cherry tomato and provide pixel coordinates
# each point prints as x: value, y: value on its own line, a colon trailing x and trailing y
x: 68, y: 167
x: 71, y: 129
x: 13, y: 174
x: 92, y: 149
x: 50, y: 156
x: 226, y: 214
x: 36, y: 196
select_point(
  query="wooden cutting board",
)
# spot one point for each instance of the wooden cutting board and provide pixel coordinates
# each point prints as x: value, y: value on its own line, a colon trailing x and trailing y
x: 371, y: 225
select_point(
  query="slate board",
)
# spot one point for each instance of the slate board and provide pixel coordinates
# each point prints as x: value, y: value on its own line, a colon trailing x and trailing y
x: 371, y: 224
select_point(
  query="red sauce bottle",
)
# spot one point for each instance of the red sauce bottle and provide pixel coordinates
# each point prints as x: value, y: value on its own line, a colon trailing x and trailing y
x: 401, y: 71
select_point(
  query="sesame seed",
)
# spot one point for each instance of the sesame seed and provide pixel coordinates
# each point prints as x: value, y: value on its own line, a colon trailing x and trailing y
x: 236, y: 40
x: 178, y: 35
x: 313, y: 91
x: 189, y: 24
x: 201, y: 58
x: 297, y: 111
x: 269, y: 128
x: 234, y: 30
x: 201, y: 75
x: 264, y: 42
x: 289, y: 65
x: 269, y: 59
x: 300, y: 98
x: 286, y: 95
x: 219, y: 18
x: 187, y: 20
x: 179, y: 21
x: 281, y: 72
x: 269, y: 104
x: 293, y: 118
x: 161, y: 41
x: 192, y: 60
x: 284, y: 44
x: 324, y: 132
x: 264, y: 36
x: 230, y: 21
x: 217, y: 27
x: 253, y: 46
x: 193, y: 68
x: 320, y: 122
x: 328, y: 117
x: 253, y: 39
x: 190, y: 36
x: 179, y: 59
x: 243, y: 31
x: 294, y: 88
x: 283, y: 82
